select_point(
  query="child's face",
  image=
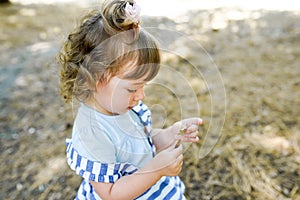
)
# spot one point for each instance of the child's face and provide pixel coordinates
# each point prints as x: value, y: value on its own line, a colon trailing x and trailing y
x: 119, y: 95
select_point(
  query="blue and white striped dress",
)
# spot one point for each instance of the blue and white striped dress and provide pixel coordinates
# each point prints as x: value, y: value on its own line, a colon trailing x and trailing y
x: 105, y: 148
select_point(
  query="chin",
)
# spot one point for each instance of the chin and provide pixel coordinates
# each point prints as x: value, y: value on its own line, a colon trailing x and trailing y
x: 121, y: 112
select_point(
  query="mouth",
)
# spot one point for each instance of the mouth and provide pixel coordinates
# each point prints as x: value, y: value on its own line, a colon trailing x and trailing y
x: 130, y: 107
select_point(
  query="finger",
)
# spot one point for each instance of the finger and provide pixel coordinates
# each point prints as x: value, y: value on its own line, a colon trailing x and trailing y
x: 178, y: 143
x: 179, y: 162
x: 191, y: 128
x: 190, y: 121
x: 177, y: 150
x: 191, y: 134
x: 187, y: 135
x: 194, y: 139
x: 191, y: 137
x: 171, y: 144
x: 179, y: 159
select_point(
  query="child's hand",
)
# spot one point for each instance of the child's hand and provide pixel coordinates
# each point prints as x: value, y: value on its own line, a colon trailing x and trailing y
x: 169, y: 161
x: 187, y: 129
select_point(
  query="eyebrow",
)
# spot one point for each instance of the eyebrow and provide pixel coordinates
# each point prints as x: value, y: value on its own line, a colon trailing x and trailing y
x: 139, y: 83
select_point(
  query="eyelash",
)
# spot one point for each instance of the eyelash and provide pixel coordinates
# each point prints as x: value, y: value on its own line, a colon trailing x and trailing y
x: 131, y: 91
x: 134, y: 90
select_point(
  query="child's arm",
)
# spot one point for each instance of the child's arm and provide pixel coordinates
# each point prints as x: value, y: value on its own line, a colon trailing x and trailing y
x: 167, y: 163
x: 163, y: 138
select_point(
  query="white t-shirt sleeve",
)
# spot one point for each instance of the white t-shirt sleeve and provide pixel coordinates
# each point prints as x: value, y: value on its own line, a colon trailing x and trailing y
x: 92, y: 143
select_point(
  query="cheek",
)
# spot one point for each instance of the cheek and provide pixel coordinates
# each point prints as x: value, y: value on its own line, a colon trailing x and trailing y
x: 121, y: 95
x: 130, y: 97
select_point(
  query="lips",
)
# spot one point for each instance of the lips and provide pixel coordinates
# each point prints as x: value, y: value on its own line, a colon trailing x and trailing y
x: 130, y: 107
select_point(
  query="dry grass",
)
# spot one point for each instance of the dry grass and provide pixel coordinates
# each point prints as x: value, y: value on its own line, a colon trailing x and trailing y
x: 257, y: 155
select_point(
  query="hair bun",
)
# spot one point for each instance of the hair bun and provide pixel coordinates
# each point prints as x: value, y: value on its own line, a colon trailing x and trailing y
x: 120, y: 15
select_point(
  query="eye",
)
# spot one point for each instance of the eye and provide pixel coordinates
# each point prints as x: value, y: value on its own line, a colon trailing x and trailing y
x: 131, y: 91
x: 120, y: 21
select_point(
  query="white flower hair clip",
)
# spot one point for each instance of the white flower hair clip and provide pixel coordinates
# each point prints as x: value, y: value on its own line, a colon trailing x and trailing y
x: 132, y: 11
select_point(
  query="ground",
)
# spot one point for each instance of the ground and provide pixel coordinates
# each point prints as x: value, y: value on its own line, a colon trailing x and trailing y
x: 238, y: 70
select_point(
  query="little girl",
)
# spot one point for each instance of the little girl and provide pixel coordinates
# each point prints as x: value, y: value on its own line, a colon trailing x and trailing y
x: 106, y: 63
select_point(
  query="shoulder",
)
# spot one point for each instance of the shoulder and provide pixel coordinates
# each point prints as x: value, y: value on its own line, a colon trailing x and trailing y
x: 91, y: 136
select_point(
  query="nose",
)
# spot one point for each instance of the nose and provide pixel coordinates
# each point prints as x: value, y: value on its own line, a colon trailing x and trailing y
x: 139, y: 95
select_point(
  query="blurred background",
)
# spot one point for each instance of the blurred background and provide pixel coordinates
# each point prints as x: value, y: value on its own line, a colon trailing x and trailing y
x: 254, y: 49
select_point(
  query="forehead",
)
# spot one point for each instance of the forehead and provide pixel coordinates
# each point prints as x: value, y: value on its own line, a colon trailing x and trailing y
x: 128, y: 82
x: 122, y: 81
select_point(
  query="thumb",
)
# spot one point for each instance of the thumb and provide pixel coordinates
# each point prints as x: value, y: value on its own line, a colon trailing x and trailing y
x: 173, y: 145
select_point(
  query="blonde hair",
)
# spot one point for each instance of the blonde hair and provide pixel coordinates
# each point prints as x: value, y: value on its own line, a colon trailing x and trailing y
x: 105, y: 42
